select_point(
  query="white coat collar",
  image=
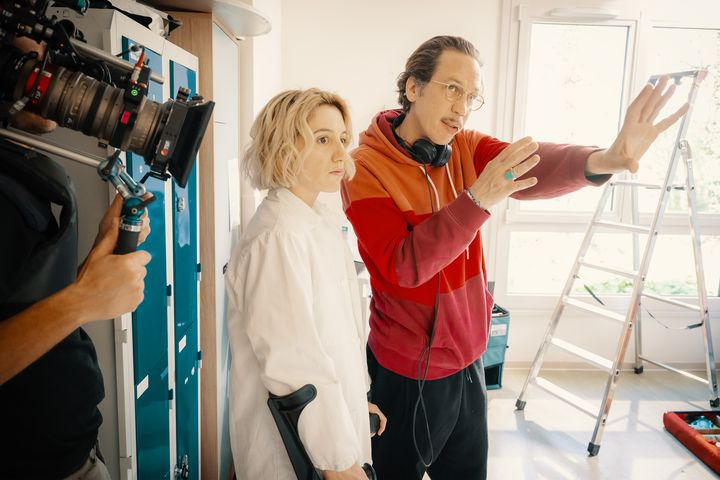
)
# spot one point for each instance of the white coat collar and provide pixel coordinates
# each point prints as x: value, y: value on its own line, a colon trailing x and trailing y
x: 299, y: 209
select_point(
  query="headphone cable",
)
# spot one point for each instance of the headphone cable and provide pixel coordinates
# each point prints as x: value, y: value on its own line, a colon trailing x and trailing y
x: 425, y: 354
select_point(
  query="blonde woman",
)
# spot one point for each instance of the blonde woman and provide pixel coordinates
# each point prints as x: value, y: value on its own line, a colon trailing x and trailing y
x: 293, y: 314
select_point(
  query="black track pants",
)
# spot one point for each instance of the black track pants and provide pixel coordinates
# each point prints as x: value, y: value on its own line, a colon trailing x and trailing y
x: 457, y: 416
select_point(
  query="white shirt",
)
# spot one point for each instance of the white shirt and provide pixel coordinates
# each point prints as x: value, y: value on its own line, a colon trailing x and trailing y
x: 293, y: 319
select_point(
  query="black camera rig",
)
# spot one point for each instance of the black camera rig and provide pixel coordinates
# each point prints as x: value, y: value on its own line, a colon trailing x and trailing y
x: 88, y: 90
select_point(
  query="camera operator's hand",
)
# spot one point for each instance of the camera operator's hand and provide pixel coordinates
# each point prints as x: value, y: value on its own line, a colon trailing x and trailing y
x: 28, y: 121
x: 107, y: 285
x: 114, y: 212
x: 495, y: 184
x: 110, y: 285
x: 353, y: 473
x: 25, y: 120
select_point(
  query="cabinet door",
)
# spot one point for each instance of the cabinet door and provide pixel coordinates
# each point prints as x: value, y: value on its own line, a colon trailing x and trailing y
x: 185, y: 279
x: 150, y: 320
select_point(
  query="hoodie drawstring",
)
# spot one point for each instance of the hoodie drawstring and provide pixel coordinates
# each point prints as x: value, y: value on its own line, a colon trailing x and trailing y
x: 452, y: 183
x: 432, y: 184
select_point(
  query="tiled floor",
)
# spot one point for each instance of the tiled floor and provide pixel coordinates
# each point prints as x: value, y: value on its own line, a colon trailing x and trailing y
x: 548, y: 440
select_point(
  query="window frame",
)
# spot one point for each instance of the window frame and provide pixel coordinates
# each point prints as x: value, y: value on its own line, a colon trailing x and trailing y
x: 517, y: 20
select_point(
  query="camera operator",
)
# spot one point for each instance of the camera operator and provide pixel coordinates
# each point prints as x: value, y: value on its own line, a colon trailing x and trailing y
x: 50, y: 380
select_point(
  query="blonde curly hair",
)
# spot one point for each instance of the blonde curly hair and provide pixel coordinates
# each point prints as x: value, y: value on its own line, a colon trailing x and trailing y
x: 273, y: 158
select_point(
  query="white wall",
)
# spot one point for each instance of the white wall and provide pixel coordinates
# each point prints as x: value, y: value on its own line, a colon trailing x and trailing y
x: 261, y: 70
x: 358, y: 49
x: 268, y: 58
x: 226, y: 92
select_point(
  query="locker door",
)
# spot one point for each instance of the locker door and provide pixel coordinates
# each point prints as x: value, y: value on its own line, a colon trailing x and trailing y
x: 186, y: 278
x: 149, y: 322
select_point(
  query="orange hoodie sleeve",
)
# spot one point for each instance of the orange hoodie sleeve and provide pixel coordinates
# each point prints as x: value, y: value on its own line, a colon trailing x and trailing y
x: 561, y: 169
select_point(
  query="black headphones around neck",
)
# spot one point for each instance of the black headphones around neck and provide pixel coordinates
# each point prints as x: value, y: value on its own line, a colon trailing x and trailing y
x: 423, y: 151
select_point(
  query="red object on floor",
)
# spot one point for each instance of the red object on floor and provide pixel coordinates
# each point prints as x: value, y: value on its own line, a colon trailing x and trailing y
x: 676, y: 424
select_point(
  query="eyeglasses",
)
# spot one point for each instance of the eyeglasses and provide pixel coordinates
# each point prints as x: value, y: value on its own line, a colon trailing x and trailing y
x: 453, y: 92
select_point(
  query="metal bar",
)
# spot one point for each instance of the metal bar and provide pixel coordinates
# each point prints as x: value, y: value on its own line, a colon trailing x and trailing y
x: 623, y: 226
x: 710, y: 368
x: 676, y: 370
x: 677, y: 76
x: 611, y: 385
x: 670, y: 301
x: 635, y: 219
x: 604, y: 268
x: 50, y: 148
x: 649, y: 186
x: 635, y: 183
x: 112, y: 59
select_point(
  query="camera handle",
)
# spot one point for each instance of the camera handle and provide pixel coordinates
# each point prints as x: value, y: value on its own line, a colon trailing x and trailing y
x: 131, y: 223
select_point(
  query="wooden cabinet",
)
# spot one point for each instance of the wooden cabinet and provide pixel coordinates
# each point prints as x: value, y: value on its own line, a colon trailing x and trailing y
x: 217, y: 51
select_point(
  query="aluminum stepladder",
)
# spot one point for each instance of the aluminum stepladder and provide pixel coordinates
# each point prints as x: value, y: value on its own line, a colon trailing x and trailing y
x: 640, y: 267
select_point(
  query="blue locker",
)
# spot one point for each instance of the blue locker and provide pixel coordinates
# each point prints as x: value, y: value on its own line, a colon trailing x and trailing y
x: 186, y: 278
x: 149, y: 321
x: 186, y: 368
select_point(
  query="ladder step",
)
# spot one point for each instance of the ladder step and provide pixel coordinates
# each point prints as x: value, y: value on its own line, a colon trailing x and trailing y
x: 586, y: 355
x: 566, y: 396
x: 650, y: 186
x: 622, y: 226
x: 571, y: 302
x: 635, y: 183
x: 670, y: 301
x: 616, y: 271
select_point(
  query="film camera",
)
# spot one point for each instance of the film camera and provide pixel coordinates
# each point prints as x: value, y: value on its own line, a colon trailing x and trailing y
x: 101, y: 97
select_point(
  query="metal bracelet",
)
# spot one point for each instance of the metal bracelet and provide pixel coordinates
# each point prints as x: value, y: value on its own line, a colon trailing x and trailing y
x: 472, y: 197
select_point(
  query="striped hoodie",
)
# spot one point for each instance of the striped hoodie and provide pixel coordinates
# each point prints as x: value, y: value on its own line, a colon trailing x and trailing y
x: 404, y: 244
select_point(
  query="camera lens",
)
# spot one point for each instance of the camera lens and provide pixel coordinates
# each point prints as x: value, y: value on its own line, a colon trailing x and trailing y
x: 80, y: 102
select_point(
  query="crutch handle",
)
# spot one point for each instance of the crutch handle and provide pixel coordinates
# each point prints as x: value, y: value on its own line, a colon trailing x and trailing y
x: 369, y: 471
x: 374, y: 423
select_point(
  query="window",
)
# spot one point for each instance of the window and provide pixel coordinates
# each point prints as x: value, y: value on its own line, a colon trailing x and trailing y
x: 545, y: 258
x: 573, y: 70
x: 575, y: 76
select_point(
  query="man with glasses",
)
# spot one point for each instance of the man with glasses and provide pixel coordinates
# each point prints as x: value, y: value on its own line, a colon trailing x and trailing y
x: 422, y: 191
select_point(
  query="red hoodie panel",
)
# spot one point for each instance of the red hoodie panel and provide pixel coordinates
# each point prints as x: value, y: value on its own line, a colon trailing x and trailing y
x: 405, y: 245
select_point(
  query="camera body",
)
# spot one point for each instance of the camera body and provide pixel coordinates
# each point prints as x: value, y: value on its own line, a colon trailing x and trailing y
x: 95, y: 96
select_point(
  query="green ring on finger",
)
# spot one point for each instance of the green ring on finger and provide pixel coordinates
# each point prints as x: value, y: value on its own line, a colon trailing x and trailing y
x: 509, y: 176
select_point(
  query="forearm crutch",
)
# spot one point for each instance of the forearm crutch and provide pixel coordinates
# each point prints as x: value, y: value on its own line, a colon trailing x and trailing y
x: 286, y: 412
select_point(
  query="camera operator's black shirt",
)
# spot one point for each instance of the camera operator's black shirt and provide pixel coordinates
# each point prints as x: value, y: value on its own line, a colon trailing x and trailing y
x: 49, y: 418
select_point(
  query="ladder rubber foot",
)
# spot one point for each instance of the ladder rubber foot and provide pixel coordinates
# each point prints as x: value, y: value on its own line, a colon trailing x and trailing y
x: 715, y: 402
x: 520, y: 404
x: 593, y: 449
x: 639, y: 370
